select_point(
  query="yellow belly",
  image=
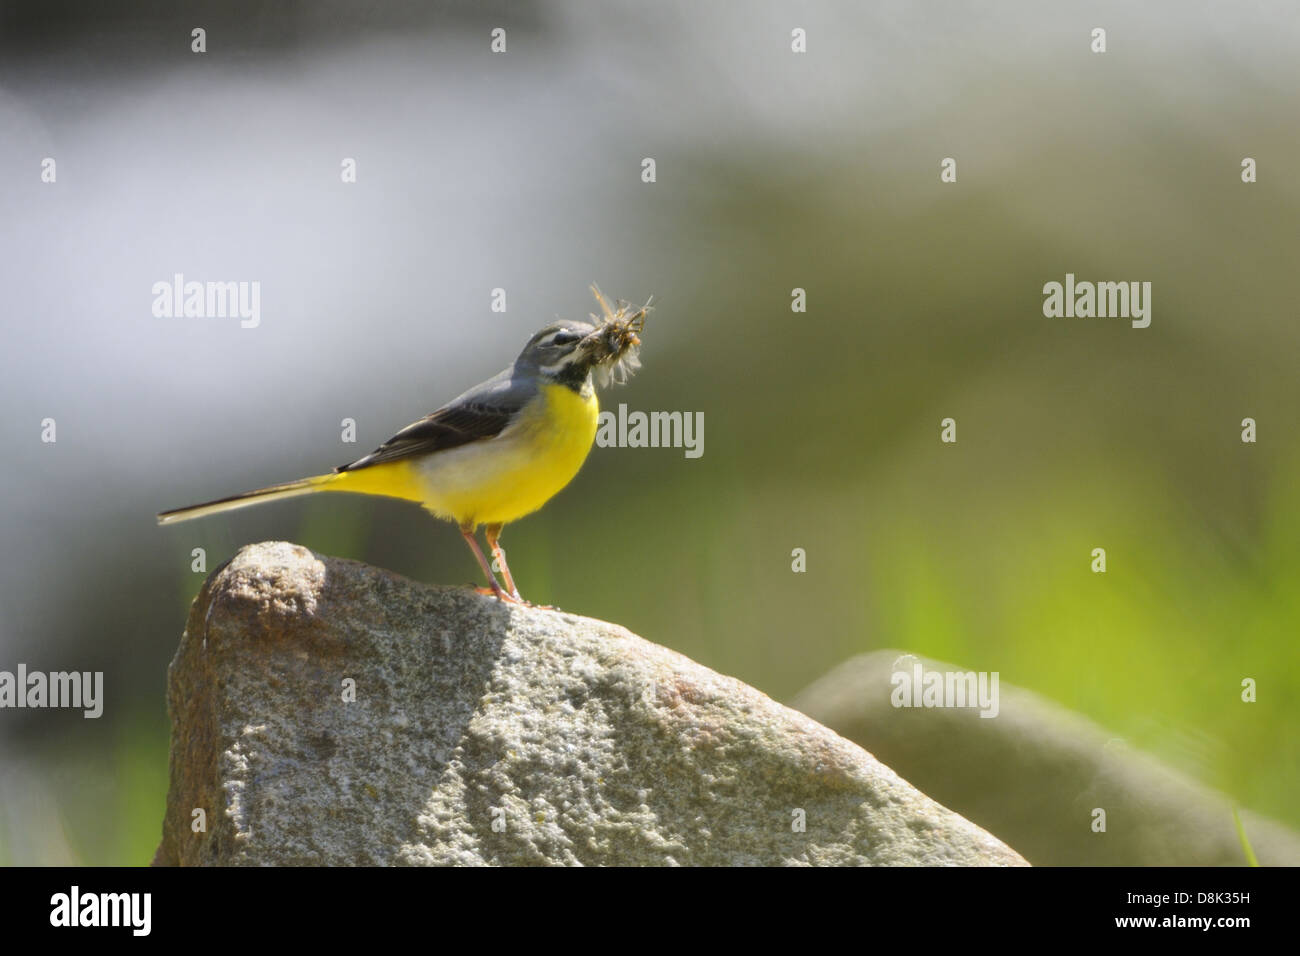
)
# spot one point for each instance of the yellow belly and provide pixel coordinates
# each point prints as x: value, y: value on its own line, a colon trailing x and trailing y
x: 496, y: 480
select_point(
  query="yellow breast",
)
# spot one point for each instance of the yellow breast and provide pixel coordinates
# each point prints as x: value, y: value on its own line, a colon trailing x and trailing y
x: 501, y: 479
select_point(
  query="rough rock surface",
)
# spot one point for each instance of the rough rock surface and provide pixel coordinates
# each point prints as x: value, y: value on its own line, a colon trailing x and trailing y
x: 488, y: 734
x: 1034, y: 774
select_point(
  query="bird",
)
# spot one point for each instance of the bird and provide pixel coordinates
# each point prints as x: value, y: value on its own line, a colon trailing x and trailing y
x: 498, y: 451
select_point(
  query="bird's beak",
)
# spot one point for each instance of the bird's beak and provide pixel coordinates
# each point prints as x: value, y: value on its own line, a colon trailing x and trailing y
x: 607, y: 343
x: 596, y: 345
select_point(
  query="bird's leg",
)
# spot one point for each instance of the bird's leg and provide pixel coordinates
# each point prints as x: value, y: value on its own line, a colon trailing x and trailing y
x: 468, y: 535
x: 493, y: 534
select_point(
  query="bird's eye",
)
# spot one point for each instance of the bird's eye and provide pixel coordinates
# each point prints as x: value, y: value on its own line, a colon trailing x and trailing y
x: 565, y: 338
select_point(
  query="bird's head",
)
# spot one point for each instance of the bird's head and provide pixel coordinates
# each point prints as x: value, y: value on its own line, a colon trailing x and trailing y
x: 605, y: 348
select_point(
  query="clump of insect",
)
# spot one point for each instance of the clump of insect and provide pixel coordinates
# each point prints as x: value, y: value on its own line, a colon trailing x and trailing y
x: 620, y: 328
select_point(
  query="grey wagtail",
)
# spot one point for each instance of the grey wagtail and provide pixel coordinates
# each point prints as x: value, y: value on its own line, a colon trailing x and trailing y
x: 499, y: 451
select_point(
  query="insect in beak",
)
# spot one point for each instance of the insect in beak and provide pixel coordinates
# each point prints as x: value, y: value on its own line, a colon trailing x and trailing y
x: 618, y: 334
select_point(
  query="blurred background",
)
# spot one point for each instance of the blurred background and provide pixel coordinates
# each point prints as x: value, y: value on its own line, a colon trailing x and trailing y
x: 775, y: 170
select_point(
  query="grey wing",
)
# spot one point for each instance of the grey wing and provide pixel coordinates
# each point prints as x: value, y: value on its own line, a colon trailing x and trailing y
x: 482, y: 412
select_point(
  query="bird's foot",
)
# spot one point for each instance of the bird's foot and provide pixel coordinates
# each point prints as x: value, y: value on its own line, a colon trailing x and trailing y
x: 509, y: 598
x: 501, y: 595
x: 540, y: 607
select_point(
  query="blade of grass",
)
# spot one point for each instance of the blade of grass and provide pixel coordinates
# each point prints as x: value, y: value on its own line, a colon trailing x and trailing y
x: 1251, y: 860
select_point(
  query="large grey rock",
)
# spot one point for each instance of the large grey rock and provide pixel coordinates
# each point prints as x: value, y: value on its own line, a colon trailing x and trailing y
x: 484, y: 733
x: 1034, y: 774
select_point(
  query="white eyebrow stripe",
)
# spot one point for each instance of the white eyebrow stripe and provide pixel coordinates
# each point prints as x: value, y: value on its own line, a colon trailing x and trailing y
x: 564, y: 362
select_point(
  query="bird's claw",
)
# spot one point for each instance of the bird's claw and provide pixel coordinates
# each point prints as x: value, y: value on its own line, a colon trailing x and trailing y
x: 503, y: 596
